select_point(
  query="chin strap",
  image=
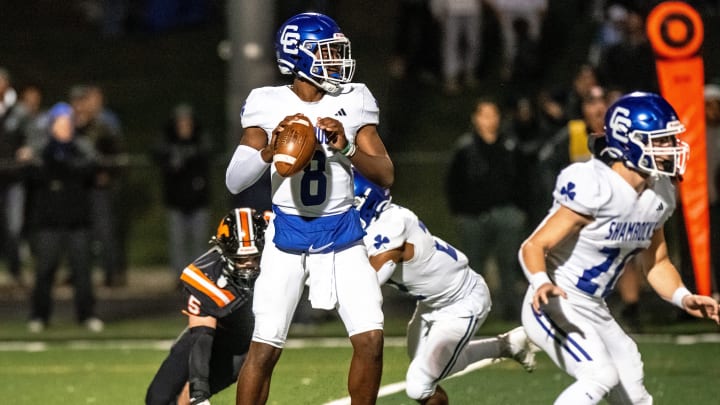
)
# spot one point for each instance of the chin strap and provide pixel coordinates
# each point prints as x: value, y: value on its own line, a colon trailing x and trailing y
x: 325, y: 85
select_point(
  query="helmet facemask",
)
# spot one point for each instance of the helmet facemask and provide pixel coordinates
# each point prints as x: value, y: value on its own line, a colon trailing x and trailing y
x: 661, y: 152
x: 241, y: 271
x: 332, y: 64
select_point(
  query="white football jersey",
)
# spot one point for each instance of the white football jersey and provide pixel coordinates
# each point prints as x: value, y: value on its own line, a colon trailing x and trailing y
x: 325, y: 187
x: 624, y: 223
x: 437, y: 275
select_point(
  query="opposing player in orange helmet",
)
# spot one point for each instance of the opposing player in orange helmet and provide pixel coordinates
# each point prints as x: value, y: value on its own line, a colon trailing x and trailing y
x: 207, y: 356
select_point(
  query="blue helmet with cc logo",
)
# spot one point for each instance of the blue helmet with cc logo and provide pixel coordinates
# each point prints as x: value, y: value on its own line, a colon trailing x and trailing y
x: 641, y: 130
x: 312, y: 47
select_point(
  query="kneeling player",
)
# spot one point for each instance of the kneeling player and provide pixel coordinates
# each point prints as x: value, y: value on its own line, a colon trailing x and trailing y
x: 207, y: 356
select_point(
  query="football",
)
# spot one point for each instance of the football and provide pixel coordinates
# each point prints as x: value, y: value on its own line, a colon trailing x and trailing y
x: 294, y: 147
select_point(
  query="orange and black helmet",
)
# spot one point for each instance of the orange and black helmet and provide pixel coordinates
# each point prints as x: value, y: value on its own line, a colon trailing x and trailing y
x: 241, y: 238
x: 241, y: 233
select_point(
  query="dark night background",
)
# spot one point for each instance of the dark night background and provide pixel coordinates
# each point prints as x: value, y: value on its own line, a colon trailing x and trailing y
x: 158, y: 61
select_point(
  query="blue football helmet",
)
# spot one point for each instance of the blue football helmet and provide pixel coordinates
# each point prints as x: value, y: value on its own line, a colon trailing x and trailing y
x: 640, y: 130
x: 311, y: 46
x: 370, y: 199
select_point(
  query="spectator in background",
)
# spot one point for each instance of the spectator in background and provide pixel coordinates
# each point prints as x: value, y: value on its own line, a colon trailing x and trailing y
x: 712, y: 122
x: 585, y: 78
x: 101, y: 127
x: 460, y: 22
x: 526, y: 125
x: 58, y: 205
x: 30, y: 128
x: 526, y: 70
x: 712, y: 127
x: 570, y: 143
x: 34, y: 126
x: 12, y: 191
x: 609, y: 33
x: 183, y: 155
x: 551, y: 111
x: 630, y: 64
x: 715, y: 235
x: 482, y: 187
x: 415, y: 46
x: 507, y: 13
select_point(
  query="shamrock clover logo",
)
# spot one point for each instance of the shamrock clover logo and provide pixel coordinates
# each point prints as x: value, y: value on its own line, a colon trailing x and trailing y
x: 380, y: 240
x: 568, y: 190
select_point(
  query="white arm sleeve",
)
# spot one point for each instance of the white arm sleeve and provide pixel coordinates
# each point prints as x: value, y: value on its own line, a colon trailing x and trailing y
x: 384, y: 272
x: 245, y: 168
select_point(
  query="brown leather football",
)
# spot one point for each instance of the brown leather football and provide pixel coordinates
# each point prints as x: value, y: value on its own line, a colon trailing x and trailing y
x: 294, y: 147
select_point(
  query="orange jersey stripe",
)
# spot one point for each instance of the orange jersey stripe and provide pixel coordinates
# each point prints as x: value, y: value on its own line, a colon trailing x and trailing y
x: 197, y: 279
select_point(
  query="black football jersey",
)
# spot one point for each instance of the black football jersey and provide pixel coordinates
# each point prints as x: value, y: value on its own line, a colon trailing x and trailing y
x: 206, y: 297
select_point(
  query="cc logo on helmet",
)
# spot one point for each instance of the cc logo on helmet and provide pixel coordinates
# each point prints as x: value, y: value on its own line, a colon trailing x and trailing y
x: 620, y: 123
x: 289, y: 39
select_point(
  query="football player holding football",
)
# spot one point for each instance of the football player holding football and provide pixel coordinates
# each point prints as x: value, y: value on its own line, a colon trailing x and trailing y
x: 453, y: 300
x: 315, y: 236
x: 207, y: 356
x: 608, y: 213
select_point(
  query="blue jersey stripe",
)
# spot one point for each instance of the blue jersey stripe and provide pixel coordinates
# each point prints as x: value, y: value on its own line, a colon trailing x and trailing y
x: 469, y: 332
x: 563, y: 339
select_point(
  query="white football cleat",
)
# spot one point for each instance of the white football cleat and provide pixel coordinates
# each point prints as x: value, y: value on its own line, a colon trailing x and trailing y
x: 516, y: 345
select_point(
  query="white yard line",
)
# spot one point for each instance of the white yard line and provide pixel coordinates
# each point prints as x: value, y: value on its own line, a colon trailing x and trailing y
x: 297, y: 343
x: 389, y: 389
x: 163, y: 344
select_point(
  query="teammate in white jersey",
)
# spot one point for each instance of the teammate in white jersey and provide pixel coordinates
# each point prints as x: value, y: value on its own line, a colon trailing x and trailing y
x: 608, y: 213
x: 315, y: 236
x: 453, y: 301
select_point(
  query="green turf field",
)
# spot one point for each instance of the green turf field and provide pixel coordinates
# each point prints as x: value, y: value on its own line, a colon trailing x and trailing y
x: 118, y: 371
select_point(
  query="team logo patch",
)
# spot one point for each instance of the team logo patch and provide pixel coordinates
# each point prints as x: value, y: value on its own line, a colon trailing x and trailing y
x: 567, y: 190
x: 380, y: 240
